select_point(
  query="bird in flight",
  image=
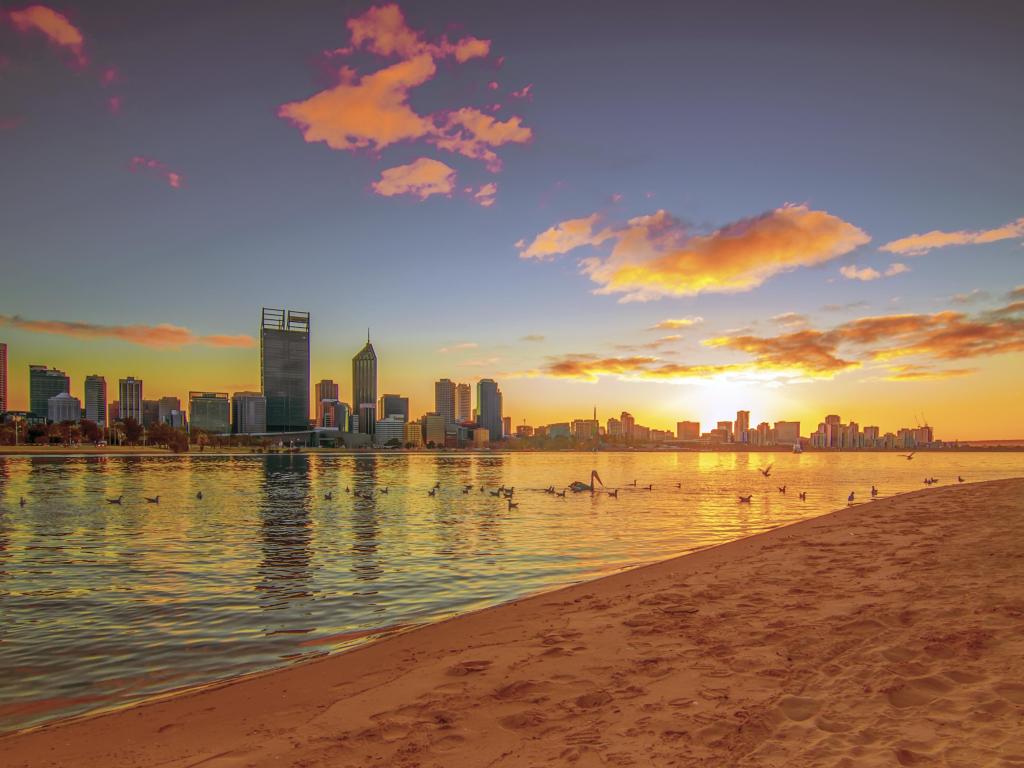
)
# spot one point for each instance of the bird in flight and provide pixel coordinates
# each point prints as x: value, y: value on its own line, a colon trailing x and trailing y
x: 767, y: 471
x: 908, y: 456
x: 745, y: 499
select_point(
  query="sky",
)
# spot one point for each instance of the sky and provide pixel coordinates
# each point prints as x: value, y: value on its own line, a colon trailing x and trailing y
x: 676, y: 209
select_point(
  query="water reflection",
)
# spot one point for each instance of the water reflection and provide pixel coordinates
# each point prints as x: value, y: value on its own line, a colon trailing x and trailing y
x: 285, y: 531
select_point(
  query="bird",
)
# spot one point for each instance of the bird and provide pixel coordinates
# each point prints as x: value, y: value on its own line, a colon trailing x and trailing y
x: 746, y: 499
x: 849, y: 499
x: 782, y: 489
x: 550, y: 490
x: 115, y: 501
x: 561, y: 494
x: 578, y: 486
x: 199, y: 495
x: 959, y: 479
x: 465, y: 490
x: 152, y: 499
x: 908, y: 456
x: 511, y: 505
x: 469, y: 488
x: 22, y: 502
x: 633, y: 483
x: 481, y: 489
x: 679, y: 485
x: 437, y: 485
x: 874, y: 491
x: 803, y: 495
x: 650, y: 487
x: 767, y: 471
x: 496, y: 493
x: 432, y: 492
x: 329, y: 495
x: 347, y: 490
x: 614, y: 494
x: 384, y: 489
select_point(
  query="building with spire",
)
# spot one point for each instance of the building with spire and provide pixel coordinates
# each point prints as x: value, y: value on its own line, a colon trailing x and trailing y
x: 364, y: 387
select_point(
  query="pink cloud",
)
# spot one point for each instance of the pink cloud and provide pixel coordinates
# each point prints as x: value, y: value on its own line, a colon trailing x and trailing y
x: 54, y: 26
x: 421, y: 178
x: 157, y: 168
x: 523, y: 93
x: 493, y: 85
x: 161, y: 335
x: 114, y: 104
x: 917, y: 245
x: 485, y: 196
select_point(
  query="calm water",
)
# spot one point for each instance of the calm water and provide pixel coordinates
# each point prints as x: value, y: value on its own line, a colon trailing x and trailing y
x: 102, y: 604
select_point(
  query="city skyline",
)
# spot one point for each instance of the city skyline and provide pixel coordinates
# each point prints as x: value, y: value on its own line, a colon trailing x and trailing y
x: 682, y: 229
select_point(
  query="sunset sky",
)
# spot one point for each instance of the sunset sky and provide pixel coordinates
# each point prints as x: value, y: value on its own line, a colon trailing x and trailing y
x: 677, y: 209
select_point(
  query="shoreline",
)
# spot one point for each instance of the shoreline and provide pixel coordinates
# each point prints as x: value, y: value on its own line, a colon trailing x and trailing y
x: 173, y: 728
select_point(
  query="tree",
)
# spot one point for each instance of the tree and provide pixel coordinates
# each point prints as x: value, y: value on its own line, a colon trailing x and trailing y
x: 394, y: 442
x: 132, y: 431
x: 177, y: 441
x: 202, y: 440
x: 90, y: 431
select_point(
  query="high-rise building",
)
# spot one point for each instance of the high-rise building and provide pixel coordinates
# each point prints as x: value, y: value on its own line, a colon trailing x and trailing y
x: 832, y: 425
x: 364, y: 387
x: 248, y: 413
x: 325, y: 389
x: 3, y: 377
x: 628, y: 425
x: 506, y: 426
x: 44, y: 383
x: 129, y: 397
x: 725, y: 428
x: 488, y: 405
x: 284, y: 368
x: 63, y: 407
x: 414, y: 434
x: 96, y: 399
x: 584, y: 430
x: 388, y: 429
x: 687, y: 430
x: 210, y: 412
x: 393, y: 405
x: 614, y: 428
x: 741, y: 429
x: 445, y: 400
x: 165, y: 407
x: 787, y: 432
x: 433, y: 429
x: 463, y: 402
x: 113, y: 413
x: 150, y: 413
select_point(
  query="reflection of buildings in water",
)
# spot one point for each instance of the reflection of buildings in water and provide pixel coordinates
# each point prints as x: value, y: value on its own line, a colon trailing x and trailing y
x: 285, y: 531
x: 365, y: 518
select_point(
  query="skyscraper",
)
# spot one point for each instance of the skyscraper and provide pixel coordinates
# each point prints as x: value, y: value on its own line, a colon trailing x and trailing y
x: 44, y: 383
x: 3, y: 377
x: 249, y: 413
x: 364, y: 387
x: 488, y: 406
x: 284, y: 368
x: 741, y: 429
x: 210, y: 412
x: 129, y: 398
x: 463, y: 402
x: 96, y: 399
x: 393, y: 405
x: 325, y: 390
x: 444, y: 400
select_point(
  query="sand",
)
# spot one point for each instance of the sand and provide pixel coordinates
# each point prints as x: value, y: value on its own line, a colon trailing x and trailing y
x: 889, y: 633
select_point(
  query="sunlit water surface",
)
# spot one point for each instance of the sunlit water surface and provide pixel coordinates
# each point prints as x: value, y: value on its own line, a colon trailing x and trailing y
x: 102, y: 604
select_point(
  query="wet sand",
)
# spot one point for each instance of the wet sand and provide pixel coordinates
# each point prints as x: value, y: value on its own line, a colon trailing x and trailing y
x: 889, y: 633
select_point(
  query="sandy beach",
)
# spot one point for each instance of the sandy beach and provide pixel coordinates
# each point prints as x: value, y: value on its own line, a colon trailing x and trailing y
x: 888, y: 633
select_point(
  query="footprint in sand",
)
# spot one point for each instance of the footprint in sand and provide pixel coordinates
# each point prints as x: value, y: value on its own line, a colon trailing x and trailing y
x: 593, y: 700
x: 531, y: 718
x: 799, y: 708
x: 517, y: 690
x: 468, y: 667
x: 1011, y: 692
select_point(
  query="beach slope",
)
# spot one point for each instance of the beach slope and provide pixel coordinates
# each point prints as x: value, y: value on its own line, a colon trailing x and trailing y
x: 889, y: 633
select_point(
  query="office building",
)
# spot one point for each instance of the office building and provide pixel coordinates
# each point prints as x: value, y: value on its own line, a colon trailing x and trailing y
x: 787, y: 432
x: 463, y: 402
x: 388, y: 429
x: 44, y: 383
x: 445, y: 400
x: 335, y: 415
x: 488, y: 406
x: 150, y: 413
x: 284, y: 368
x: 325, y: 389
x: 414, y: 434
x: 165, y: 407
x: 628, y: 423
x: 584, y: 430
x: 176, y: 419
x: 63, y: 407
x: 524, y: 430
x: 506, y: 426
x: 129, y: 397
x: 687, y: 430
x: 433, y: 429
x: 113, y: 413
x: 3, y: 378
x: 248, y: 413
x: 364, y: 387
x: 209, y: 412
x: 561, y: 430
x: 96, y: 399
x: 394, y: 405
x: 725, y: 427
x: 742, y: 427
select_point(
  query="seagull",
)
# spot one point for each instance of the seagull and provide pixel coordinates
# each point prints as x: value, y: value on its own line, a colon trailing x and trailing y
x: 432, y: 492
x: 199, y: 495
x: 767, y: 471
x: 152, y: 500
x: 803, y: 496
x: 469, y: 488
x: 650, y: 487
x: 496, y: 493
x: 384, y: 489
x: 437, y: 485
x: 633, y: 483
x: 512, y: 506
x: 115, y: 501
x: 614, y: 494
x: 679, y: 485
x: 782, y: 489
x: 959, y: 479
x: 849, y: 499
x: 561, y: 494
x: 908, y: 456
x: 746, y: 499
x: 329, y: 495
x: 874, y: 491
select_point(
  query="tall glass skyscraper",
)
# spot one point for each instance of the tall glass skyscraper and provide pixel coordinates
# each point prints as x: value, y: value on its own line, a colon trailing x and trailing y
x: 284, y: 369
x: 96, y: 399
x: 44, y: 383
x: 3, y: 377
x: 364, y: 387
x: 488, y: 407
x: 444, y: 400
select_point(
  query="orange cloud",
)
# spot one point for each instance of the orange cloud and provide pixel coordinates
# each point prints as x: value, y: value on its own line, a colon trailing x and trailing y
x: 917, y: 245
x: 564, y: 237
x: 812, y: 352
x: 924, y: 373
x: 853, y: 272
x: 422, y: 178
x: 383, y: 30
x: 471, y: 133
x: 523, y: 93
x: 162, y: 335
x: 896, y: 268
x: 55, y: 26
x: 148, y: 165
x: 675, y: 323
x: 486, y: 194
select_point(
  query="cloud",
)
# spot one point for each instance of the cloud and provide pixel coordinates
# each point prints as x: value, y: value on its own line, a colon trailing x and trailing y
x: 656, y: 255
x: 844, y: 307
x: 421, y: 178
x: 650, y: 346
x: 1016, y: 293
x: 486, y: 194
x: 162, y: 335
x: 925, y: 373
x: 809, y: 351
x: 969, y: 297
x: 853, y: 272
x: 523, y: 93
x: 460, y: 346
x: 532, y: 337
x: 143, y: 164
x: 382, y: 30
x: 675, y: 323
x: 917, y: 245
x: 790, y: 319
x: 471, y: 133
x: 896, y: 268
x: 564, y: 237
x: 55, y: 26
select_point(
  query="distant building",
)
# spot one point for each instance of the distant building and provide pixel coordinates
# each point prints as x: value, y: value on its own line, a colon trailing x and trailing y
x: 726, y: 427
x: 742, y: 427
x: 506, y: 426
x: 150, y: 413
x: 489, y: 405
x: 129, y: 393
x: 3, y: 378
x: 166, y: 406
x: 284, y: 368
x: 433, y: 429
x: 44, y: 383
x: 248, y: 413
x: 176, y: 419
x: 210, y: 412
x: 479, y: 437
x: 388, y: 429
x: 523, y: 430
x: 628, y: 423
x: 96, y: 399
x: 63, y: 407
x: 687, y: 430
x: 787, y: 432
x: 584, y: 430
x: 325, y: 389
x: 413, y: 434
x: 394, y: 405
x: 463, y: 402
x: 559, y: 430
x: 364, y: 388
x: 113, y: 412
x: 614, y: 428
x: 871, y: 437
x: 444, y: 400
